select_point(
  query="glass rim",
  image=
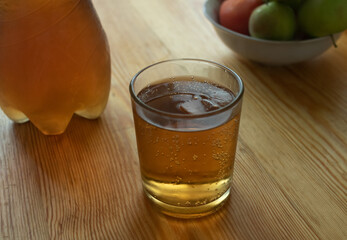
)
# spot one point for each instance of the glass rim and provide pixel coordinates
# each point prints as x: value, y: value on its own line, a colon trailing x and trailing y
x: 236, y: 100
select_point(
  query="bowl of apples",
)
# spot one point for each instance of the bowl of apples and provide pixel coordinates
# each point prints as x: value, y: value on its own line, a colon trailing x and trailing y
x: 278, y: 32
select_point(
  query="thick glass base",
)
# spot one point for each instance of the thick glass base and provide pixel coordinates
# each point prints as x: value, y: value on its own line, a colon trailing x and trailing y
x: 191, y: 211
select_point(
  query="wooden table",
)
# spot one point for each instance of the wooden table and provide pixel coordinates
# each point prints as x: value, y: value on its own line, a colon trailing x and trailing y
x: 290, y: 172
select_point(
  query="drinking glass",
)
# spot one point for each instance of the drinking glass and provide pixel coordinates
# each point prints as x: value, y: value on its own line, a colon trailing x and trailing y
x: 186, y: 114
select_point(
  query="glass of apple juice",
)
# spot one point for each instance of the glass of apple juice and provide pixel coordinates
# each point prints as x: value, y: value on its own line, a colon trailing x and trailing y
x: 186, y: 114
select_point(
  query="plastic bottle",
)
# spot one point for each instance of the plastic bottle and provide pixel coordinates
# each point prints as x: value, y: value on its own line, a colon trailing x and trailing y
x: 54, y: 62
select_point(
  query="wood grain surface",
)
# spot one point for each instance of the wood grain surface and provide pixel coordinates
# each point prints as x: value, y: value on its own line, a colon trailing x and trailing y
x: 290, y: 170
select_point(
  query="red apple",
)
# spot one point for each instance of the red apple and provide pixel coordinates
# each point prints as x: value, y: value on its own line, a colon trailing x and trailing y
x: 235, y: 14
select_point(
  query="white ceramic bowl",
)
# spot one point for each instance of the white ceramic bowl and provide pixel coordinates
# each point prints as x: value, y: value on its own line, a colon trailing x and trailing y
x: 265, y: 51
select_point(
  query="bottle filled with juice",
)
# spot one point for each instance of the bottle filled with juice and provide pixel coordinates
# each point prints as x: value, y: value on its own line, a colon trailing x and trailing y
x: 54, y: 62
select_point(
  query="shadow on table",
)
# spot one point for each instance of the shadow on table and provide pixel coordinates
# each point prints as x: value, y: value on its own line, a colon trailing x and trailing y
x: 235, y: 220
x: 85, y: 176
x: 257, y: 209
x: 58, y: 149
x: 148, y: 221
x: 72, y: 161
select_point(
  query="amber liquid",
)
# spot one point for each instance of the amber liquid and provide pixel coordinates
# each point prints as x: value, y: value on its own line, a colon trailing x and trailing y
x: 186, y: 173
x: 54, y: 62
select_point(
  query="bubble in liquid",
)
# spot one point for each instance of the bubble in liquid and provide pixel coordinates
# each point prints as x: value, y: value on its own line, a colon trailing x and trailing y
x: 170, y: 86
x: 178, y: 179
x: 217, y: 143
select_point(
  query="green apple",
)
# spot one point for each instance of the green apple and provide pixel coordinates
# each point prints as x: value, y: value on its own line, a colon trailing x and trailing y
x: 292, y: 3
x: 273, y: 21
x: 319, y: 18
